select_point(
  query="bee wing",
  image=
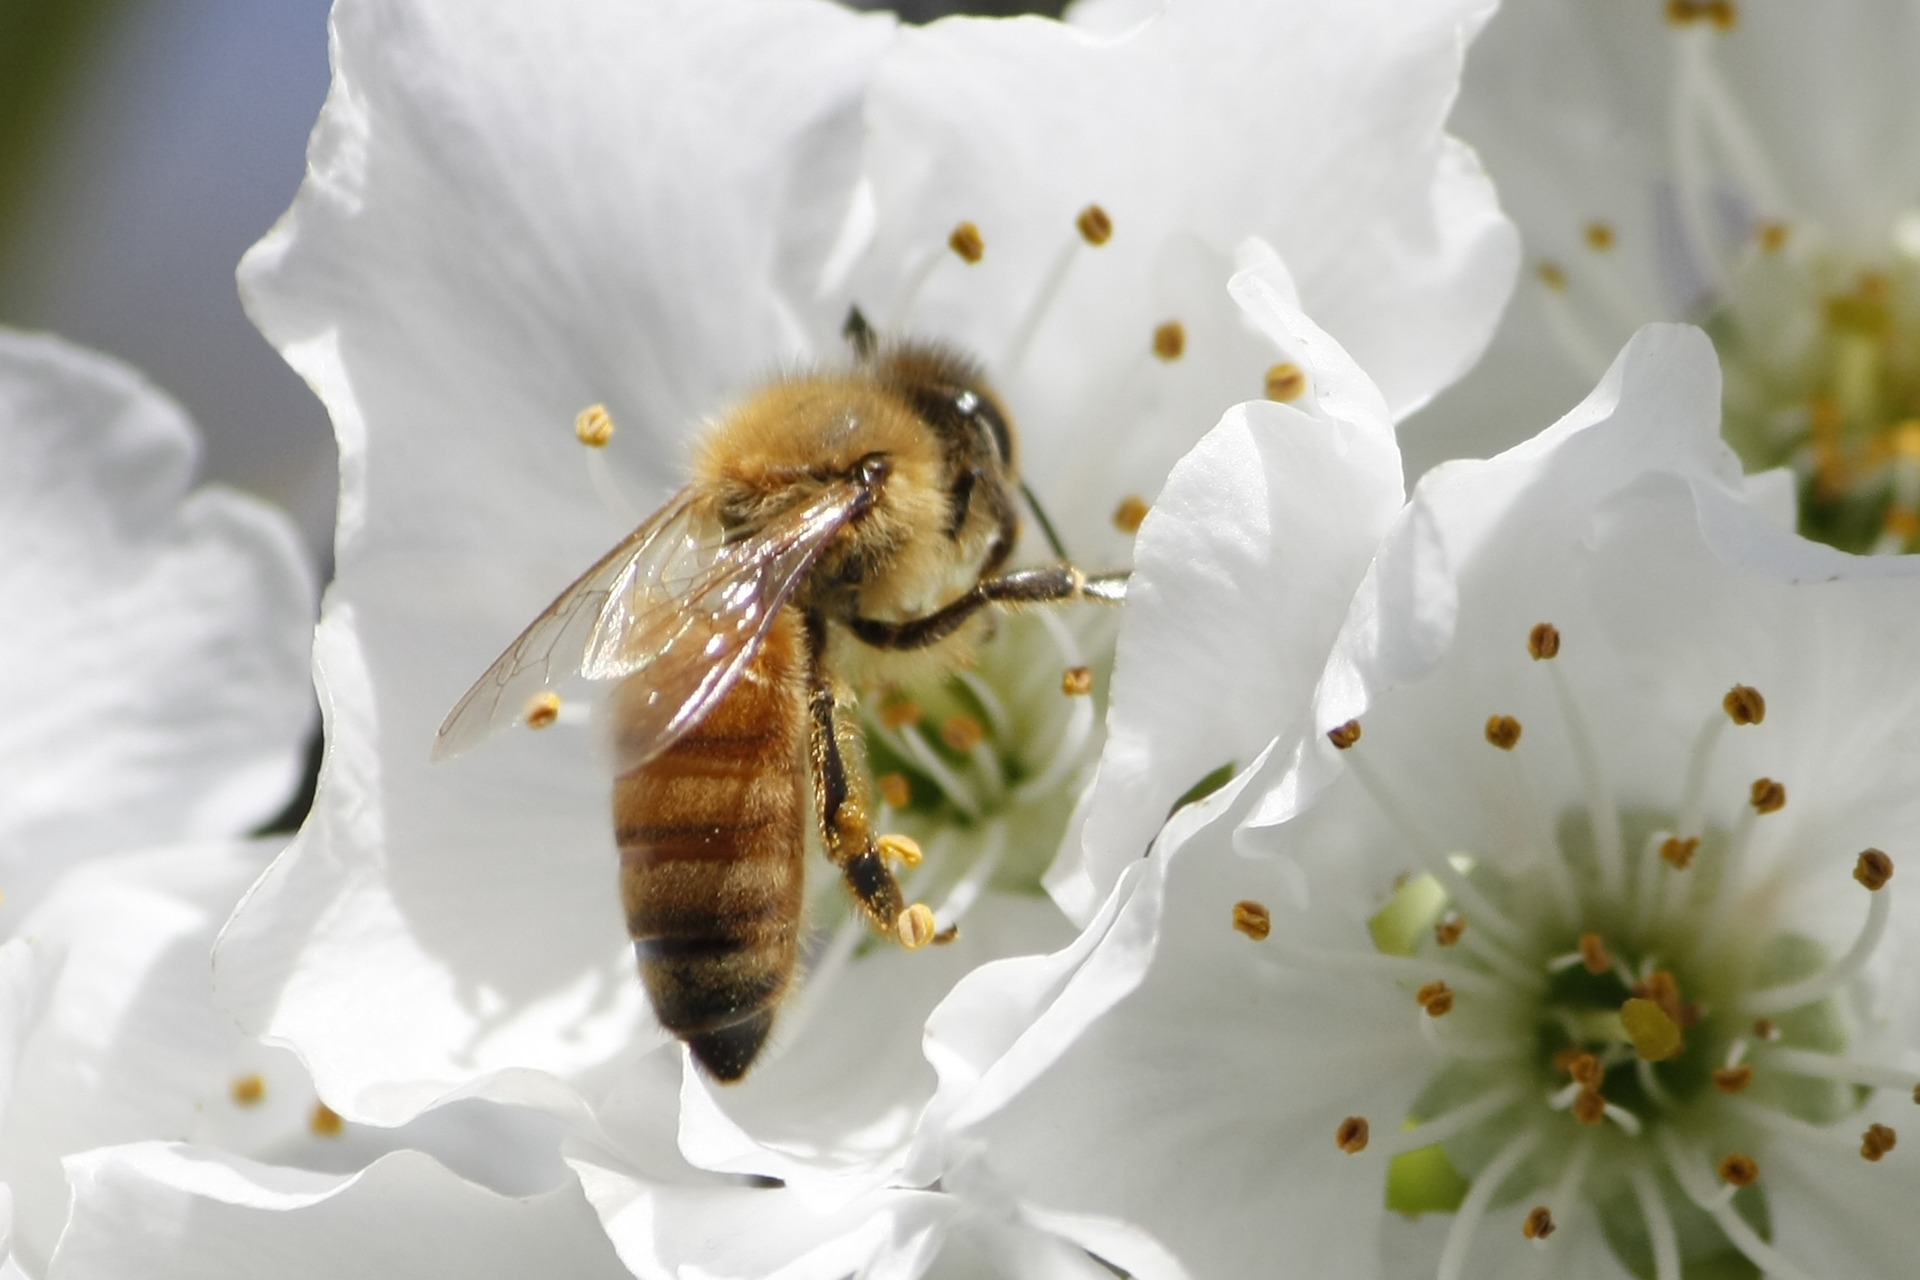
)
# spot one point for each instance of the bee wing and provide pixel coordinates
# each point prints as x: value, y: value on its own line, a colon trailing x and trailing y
x: 692, y: 635
x: 674, y: 542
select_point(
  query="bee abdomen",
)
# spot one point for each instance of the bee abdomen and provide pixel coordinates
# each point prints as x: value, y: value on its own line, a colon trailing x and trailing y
x: 711, y: 836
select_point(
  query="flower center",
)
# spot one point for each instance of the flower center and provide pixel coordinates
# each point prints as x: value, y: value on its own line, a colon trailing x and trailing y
x: 1630, y: 1024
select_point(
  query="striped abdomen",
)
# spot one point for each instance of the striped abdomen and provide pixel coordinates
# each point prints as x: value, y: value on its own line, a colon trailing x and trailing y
x: 712, y: 842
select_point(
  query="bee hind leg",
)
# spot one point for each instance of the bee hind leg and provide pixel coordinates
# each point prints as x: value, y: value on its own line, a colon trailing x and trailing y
x: 841, y: 795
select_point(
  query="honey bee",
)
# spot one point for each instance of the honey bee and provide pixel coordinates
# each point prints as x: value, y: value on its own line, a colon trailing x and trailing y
x: 840, y: 529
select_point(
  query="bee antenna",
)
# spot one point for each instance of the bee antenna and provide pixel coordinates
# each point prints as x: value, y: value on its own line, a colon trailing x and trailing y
x: 1046, y: 525
x: 859, y: 334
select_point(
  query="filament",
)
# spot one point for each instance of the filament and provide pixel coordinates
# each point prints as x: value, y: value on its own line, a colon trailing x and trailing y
x: 607, y: 489
x: 1449, y: 1123
x: 1660, y: 1232
x: 1453, y: 1255
x: 1607, y: 841
x: 1551, y: 858
x: 1823, y: 1066
x: 1818, y: 986
x: 1024, y: 333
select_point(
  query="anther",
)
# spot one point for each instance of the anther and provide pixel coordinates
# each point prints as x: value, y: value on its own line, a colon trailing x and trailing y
x: 1170, y: 340
x: 1543, y: 641
x: 1678, y: 853
x: 1132, y: 511
x: 1096, y: 228
x: 1344, y: 735
x: 1436, y: 998
x: 1503, y: 732
x: 1599, y: 236
x: 915, y: 927
x: 966, y: 242
x: 1285, y: 381
x: 1768, y: 796
x: 1448, y: 929
x: 1552, y: 276
x: 1589, y: 1108
x: 247, y: 1091
x: 1585, y: 1069
x: 1877, y: 1141
x: 543, y: 709
x: 1767, y: 1031
x: 904, y: 850
x: 594, y: 426
x: 1077, y: 682
x: 1771, y: 236
x: 325, y: 1121
x: 946, y: 935
x: 1351, y: 1136
x: 899, y: 712
x: 1738, y: 1170
x: 1594, y: 954
x: 1253, y: 920
x: 1539, y: 1224
x: 1732, y: 1080
x: 962, y: 732
x: 895, y: 789
x: 1744, y: 705
x: 1654, y: 1032
x: 1873, y: 870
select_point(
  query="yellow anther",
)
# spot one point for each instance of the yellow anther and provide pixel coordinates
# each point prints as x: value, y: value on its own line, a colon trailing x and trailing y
x: 962, y: 732
x: 1678, y: 853
x: 1351, y: 1136
x: 594, y: 426
x: 325, y: 1121
x: 898, y: 711
x: 1170, y: 340
x: 915, y: 927
x: 1344, y: 735
x: 904, y: 850
x: 1543, y: 641
x: 1285, y: 381
x: 1539, y: 1223
x: 1768, y: 796
x: 1436, y: 998
x: 1877, y: 1141
x: 1589, y: 1107
x: 1732, y: 1080
x: 1077, y: 682
x: 247, y: 1091
x: 1655, y: 1035
x: 1738, y: 1170
x: 966, y: 242
x: 1130, y: 514
x: 1599, y: 236
x: 543, y: 709
x: 1552, y: 275
x: 1253, y: 920
x: 1873, y: 869
x: 1594, y: 954
x: 1096, y: 228
x: 1503, y: 732
x: 1744, y: 705
x: 895, y: 789
x: 1449, y: 928
x: 1772, y: 236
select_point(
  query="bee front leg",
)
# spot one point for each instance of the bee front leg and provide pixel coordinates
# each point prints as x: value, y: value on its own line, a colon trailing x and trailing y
x: 841, y: 795
x: 1054, y: 584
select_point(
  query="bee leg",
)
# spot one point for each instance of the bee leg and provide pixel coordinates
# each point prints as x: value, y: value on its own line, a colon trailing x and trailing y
x: 841, y: 795
x: 1051, y: 585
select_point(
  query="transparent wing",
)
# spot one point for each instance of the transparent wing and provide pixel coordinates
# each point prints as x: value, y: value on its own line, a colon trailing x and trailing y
x: 691, y: 634
x: 676, y: 541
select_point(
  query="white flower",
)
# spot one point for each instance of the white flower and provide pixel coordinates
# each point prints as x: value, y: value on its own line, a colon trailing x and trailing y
x: 1561, y: 921
x: 1747, y: 164
x: 514, y: 213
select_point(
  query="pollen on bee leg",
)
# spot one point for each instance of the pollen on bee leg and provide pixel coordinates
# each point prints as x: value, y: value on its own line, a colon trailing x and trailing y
x: 1345, y: 735
x: 542, y: 709
x: 967, y: 243
x: 1738, y: 1170
x: 1285, y: 381
x: 915, y: 926
x: 1077, y: 682
x: 1877, y: 1141
x: 594, y: 426
x: 1435, y: 998
x: 247, y: 1091
x: 895, y: 789
x: 325, y: 1121
x: 1744, y: 705
x: 1539, y: 1223
x: 1130, y: 514
x: 1096, y: 228
x: 1351, y: 1136
x: 1503, y: 732
x: 1767, y: 796
x: 1169, y: 340
x: 1543, y: 641
x: 1253, y: 920
x: 1598, y: 235
x: 904, y: 850
x: 962, y: 732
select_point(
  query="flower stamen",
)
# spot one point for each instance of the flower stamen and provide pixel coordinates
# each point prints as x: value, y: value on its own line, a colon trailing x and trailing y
x: 1453, y: 1254
x: 1873, y: 870
x: 1602, y: 812
x: 1092, y: 228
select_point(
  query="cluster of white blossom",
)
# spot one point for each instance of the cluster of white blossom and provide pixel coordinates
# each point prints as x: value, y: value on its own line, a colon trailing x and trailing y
x: 1489, y: 880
